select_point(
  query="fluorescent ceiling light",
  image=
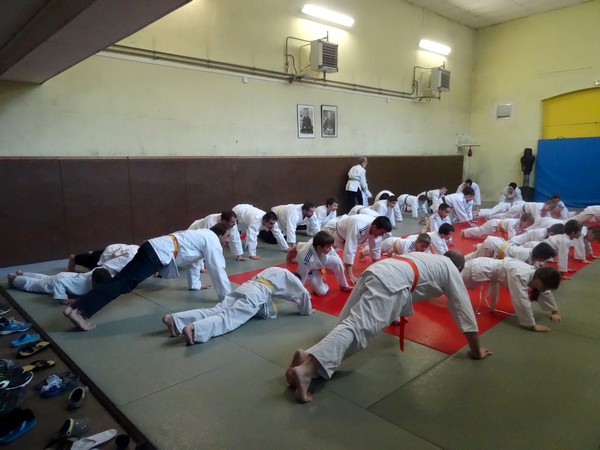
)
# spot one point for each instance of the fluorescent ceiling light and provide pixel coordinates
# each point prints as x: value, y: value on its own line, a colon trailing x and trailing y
x: 434, y: 47
x: 328, y: 15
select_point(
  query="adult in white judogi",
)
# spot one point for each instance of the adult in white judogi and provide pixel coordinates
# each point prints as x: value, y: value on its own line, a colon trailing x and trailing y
x: 386, y: 290
x: 312, y: 265
x: 496, y: 247
x: 230, y: 221
x: 357, y: 189
x: 62, y: 286
x: 461, y: 206
x: 326, y: 212
x: 518, y: 277
x: 351, y: 231
x: 251, y: 221
x: 252, y: 298
x: 508, y: 227
x: 590, y: 214
x: 163, y: 255
x: 292, y: 215
x: 388, y: 208
x: 411, y: 203
x: 470, y: 183
x: 510, y: 194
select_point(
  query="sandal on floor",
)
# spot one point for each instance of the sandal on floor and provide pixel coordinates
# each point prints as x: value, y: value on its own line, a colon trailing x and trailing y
x: 38, y: 365
x: 19, y: 422
x: 32, y: 350
x: 90, y: 442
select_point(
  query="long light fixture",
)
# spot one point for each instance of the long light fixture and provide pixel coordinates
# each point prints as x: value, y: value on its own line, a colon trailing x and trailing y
x: 434, y: 47
x: 328, y: 15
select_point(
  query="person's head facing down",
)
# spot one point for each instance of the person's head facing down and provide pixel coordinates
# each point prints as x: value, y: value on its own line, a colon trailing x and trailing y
x: 526, y: 220
x: 445, y: 231
x: 423, y: 242
x: 542, y: 253
x: 557, y: 228
x: 331, y: 204
x: 422, y: 199
x: 443, y: 210
x: 308, y: 209
x: 573, y: 229
x: 511, y: 187
x: 469, y: 182
x: 593, y: 234
x: 384, y: 196
x: 457, y: 258
x: 392, y: 201
x: 380, y: 226
x: 544, y: 279
x: 100, y: 275
x: 269, y: 220
x: 322, y: 242
x: 222, y: 232
x: 229, y: 219
x: 469, y: 193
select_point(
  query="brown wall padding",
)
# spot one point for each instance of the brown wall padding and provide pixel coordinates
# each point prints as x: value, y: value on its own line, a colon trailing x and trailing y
x: 53, y: 207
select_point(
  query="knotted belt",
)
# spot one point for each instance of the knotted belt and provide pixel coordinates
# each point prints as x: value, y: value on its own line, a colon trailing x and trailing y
x: 403, y: 320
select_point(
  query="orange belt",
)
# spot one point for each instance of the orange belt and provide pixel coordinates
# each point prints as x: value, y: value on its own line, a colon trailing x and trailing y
x: 175, y: 245
x: 403, y: 320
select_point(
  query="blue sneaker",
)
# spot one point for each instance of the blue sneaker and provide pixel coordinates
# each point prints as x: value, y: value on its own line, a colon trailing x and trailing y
x: 8, y: 326
x: 28, y: 338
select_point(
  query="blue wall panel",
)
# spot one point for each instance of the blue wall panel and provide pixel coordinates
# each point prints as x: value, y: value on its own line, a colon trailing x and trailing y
x: 570, y: 168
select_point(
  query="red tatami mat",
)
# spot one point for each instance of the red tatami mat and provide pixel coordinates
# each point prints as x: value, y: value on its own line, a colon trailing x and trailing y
x: 431, y: 325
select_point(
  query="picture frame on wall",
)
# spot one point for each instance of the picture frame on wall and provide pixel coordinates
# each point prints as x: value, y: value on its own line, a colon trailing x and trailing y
x: 305, y: 118
x: 329, y: 121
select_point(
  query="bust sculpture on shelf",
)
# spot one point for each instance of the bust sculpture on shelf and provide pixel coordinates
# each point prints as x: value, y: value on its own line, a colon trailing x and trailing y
x: 527, y: 161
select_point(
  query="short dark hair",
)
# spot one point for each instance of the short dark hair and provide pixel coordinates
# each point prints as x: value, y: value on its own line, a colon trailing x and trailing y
x: 226, y: 216
x: 513, y: 185
x: 557, y: 228
x: 391, y: 198
x: 445, y: 228
x: 572, y: 226
x: 549, y: 276
x: 308, y: 205
x: 424, y: 238
x: 468, y: 191
x: 543, y: 251
x: 269, y: 215
x: 422, y: 198
x: 219, y: 229
x: 443, y: 206
x: 330, y: 201
x: 384, y: 196
x: 100, y: 275
x: 322, y: 239
x: 469, y: 181
x: 457, y: 258
x: 382, y: 222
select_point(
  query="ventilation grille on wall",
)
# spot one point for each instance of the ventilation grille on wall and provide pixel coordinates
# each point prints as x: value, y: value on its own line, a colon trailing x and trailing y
x: 504, y: 111
x: 440, y: 80
x: 323, y: 56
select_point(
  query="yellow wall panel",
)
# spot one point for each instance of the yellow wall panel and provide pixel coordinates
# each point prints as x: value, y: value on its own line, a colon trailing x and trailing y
x: 576, y: 114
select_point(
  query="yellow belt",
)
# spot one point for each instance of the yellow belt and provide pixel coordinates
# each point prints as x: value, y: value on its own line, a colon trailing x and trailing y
x: 395, y: 249
x: 175, y: 245
x: 502, y: 249
x: 266, y: 282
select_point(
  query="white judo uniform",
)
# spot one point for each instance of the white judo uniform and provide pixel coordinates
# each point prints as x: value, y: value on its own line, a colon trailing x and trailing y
x: 322, y: 216
x: 518, y: 208
x: 351, y: 231
x: 252, y: 298
x: 508, y: 227
x: 475, y: 187
x: 380, y: 193
x: 394, y: 246
x: 561, y: 243
x: 590, y: 214
x: 462, y: 210
x: 496, y: 247
x: 62, y: 286
x: 534, y: 234
x: 311, y: 267
x: 510, y: 197
x: 235, y: 241
x: 357, y: 179
x: 382, y: 208
x: 407, y: 202
x: 500, y: 208
x: 438, y: 245
x: 516, y: 276
x: 435, y: 197
x: 116, y: 256
x: 362, y: 209
x: 435, y: 221
x: 387, y: 289
x: 288, y: 219
x: 250, y: 222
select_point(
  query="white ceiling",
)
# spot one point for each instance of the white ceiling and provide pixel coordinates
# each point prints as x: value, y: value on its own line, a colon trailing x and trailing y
x: 483, y: 13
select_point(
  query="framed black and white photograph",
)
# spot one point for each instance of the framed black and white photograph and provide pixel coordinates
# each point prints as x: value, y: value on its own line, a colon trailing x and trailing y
x: 305, y: 117
x: 329, y: 119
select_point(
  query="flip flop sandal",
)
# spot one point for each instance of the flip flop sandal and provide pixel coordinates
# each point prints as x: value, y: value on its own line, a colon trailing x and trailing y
x: 32, y: 350
x: 28, y: 338
x: 38, y: 365
x: 24, y: 423
x: 90, y: 442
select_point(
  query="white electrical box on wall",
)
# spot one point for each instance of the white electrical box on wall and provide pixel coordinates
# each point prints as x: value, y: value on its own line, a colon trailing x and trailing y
x: 323, y: 56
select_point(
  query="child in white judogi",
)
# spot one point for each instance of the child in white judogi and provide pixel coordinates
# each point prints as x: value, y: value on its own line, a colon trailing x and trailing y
x: 326, y: 212
x: 497, y: 209
x: 507, y: 227
x: 395, y: 246
x: 537, y: 234
x: 434, y: 197
x: 314, y: 257
x: 440, y: 239
x: 438, y: 218
x: 496, y: 247
x: 63, y: 286
x: 590, y: 214
x: 388, y: 208
x: 519, y: 278
x: 511, y: 194
x: 561, y: 243
x: 252, y: 298
x: 417, y: 206
x: 461, y: 205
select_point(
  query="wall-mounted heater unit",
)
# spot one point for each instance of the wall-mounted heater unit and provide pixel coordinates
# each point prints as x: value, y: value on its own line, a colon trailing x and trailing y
x: 323, y: 56
x: 440, y: 80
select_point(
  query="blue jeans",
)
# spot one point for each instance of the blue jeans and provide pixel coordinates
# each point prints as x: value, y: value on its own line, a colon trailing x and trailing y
x: 144, y: 264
